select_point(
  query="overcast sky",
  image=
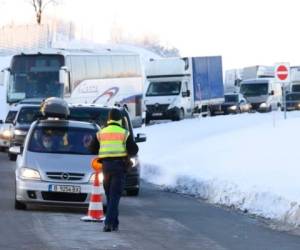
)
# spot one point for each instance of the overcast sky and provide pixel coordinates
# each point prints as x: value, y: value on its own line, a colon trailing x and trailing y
x: 244, y: 32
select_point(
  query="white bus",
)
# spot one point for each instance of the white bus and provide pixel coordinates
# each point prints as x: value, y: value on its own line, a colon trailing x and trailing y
x: 91, y: 77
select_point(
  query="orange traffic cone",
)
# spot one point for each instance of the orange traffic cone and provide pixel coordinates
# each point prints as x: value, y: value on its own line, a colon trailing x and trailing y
x: 95, y: 212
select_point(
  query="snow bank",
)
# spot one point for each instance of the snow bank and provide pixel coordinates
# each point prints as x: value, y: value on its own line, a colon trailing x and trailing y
x: 249, y: 161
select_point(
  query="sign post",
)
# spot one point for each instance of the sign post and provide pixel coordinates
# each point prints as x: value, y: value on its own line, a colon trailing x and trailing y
x: 282, y: 75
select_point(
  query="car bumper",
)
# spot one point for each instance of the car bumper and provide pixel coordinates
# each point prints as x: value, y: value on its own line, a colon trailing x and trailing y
x: 39, y: 192
x: 167, y: 114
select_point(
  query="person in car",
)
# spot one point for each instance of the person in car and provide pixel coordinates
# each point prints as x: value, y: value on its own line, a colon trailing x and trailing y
x: 116, y: 145
x: 47, y: 142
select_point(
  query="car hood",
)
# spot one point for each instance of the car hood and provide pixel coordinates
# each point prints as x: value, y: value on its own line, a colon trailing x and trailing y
x: 45, y: 162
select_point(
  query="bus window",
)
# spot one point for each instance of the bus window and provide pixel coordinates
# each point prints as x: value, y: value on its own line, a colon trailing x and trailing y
x: 105, y: 63
x: 92, y: 67
x: 78, y: 70
x: 118, y: 66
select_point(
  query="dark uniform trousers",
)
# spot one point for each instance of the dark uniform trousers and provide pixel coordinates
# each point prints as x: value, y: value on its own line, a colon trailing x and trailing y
x: 114, y: 182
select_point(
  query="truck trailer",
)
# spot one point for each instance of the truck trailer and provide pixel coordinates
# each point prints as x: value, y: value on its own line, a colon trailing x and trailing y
x: 180, y: 87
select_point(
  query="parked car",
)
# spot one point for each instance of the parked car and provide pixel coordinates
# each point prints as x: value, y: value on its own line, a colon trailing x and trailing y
x: 234, y: 103
x: 293, y: 101
x: 25, y: 115
x: 53, y: 166
x: 99, y: 115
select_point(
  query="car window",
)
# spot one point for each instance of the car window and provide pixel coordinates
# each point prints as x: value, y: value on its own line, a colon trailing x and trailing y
x: 97, y: 115
x: 64, y: 140
x: 28, y: 114
x: 10, y: 116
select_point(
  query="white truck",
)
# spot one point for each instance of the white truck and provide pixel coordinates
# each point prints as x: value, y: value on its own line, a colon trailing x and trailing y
x: 179, y: 87
x: 294, y: 85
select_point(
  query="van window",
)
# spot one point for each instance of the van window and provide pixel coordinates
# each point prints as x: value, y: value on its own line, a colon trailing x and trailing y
x: 163, y: 88
x: 254, y: 89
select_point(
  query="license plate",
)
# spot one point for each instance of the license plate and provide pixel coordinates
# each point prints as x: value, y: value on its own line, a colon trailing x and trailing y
x: 64, y: 188
x: 157, y: 114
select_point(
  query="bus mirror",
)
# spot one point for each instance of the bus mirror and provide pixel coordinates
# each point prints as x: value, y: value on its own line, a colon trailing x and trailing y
x: 272, y: 92
x: 4, y: 76
x: 64, y: 77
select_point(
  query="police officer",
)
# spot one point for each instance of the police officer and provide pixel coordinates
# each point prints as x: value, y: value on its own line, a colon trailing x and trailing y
x: 116, y: 146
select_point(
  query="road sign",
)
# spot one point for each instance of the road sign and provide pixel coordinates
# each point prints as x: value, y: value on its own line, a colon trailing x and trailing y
x: 282, y: 72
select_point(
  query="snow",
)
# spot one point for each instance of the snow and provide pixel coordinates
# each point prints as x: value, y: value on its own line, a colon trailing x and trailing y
x: 248, y: 161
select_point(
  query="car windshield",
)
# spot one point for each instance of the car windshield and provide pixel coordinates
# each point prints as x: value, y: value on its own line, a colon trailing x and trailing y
x: 293, y: 97
x: 64, y: 140
x: 163, y: 88
x: 28, y: 114
x: 254, y: 89
x: 10, y: 116
x: 97, y: 115
x: 231, y: 98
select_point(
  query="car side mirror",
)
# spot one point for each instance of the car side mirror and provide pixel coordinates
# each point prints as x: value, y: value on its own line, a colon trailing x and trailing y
x: 272, y: 92
x: 140, y: 138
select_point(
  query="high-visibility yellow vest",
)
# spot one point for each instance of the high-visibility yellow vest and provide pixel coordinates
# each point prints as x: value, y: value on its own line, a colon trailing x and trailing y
x: 113, y: 140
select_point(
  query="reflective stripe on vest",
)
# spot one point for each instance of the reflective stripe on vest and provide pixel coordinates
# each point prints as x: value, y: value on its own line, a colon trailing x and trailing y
x: 113, y: 141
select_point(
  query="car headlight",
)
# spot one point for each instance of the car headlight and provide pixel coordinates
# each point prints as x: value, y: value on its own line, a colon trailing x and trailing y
x: 29, y: 174
x: 173, y: 103
x: 20, y: 132
x: 234, y: 107
x: 7, y: 134
x: 134, y: 162
x: 263, y: 105
x: 298, y: 105
x: 93, y: 176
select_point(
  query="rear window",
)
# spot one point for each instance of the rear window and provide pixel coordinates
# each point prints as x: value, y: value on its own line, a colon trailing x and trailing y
x: 66, y: 140
x: 10, y: 116
x: 28, y: 114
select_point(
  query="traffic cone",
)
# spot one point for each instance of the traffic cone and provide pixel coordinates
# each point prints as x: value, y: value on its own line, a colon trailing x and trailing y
x: 95, y: 212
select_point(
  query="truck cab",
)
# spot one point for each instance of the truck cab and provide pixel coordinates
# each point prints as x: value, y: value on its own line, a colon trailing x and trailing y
x: 179, y: 87
x: 264, y: 94
x: 169, y: 91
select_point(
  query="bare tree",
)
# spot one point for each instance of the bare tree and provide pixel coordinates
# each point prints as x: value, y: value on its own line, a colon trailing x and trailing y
x: 39, y: 6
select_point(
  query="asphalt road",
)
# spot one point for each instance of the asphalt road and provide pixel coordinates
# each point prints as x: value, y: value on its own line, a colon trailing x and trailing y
x: 154, y: 220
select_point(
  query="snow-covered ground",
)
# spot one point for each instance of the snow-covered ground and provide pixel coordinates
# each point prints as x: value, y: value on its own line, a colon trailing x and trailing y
x: 248, y: 161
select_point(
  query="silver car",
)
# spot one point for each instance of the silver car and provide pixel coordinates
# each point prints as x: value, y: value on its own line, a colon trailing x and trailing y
x: 54, y: 165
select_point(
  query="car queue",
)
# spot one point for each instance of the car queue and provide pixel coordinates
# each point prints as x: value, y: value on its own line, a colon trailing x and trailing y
x: 55, y: 149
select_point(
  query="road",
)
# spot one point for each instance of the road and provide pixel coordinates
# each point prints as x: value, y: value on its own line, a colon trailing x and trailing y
x: 154, y: 220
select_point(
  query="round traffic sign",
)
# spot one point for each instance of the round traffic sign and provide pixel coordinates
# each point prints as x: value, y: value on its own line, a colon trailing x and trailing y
x: 282, y: 72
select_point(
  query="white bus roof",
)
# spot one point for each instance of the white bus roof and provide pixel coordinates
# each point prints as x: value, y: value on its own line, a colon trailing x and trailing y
x: 66, y: 52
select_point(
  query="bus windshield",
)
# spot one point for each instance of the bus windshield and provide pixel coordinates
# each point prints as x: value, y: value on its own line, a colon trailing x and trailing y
x: 35, y: 76
x: 254, y: 89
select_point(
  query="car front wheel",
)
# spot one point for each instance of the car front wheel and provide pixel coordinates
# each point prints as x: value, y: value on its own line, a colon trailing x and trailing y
x: 12, y: 157
x: 133, y: 192
x: 20, y: 205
